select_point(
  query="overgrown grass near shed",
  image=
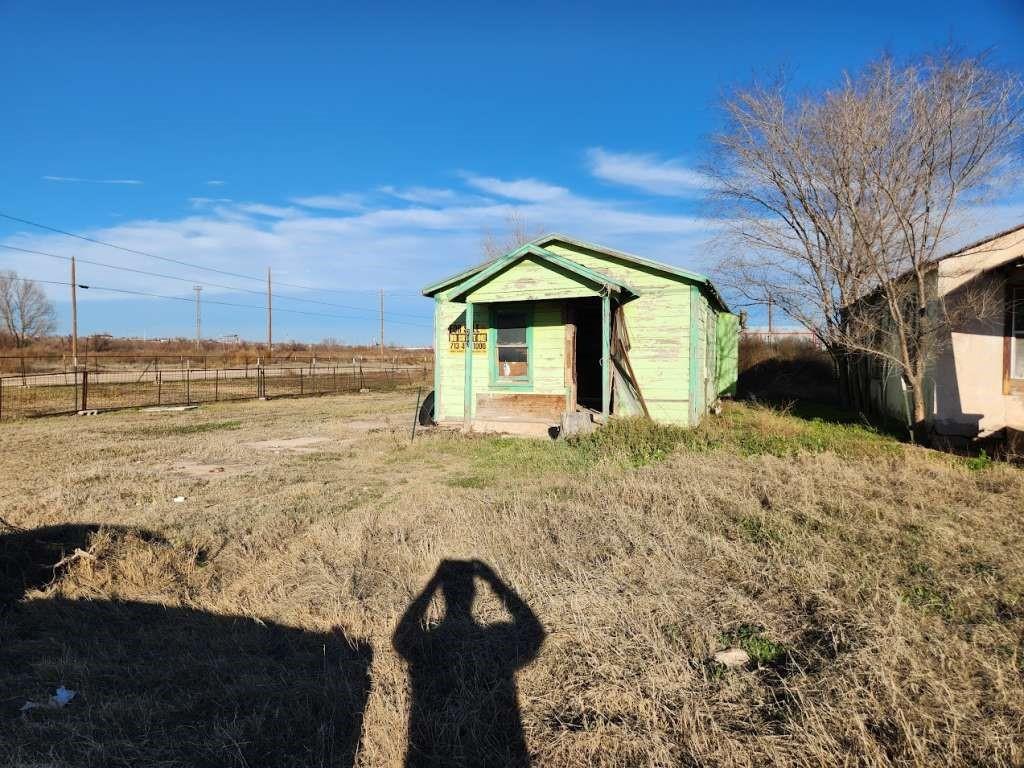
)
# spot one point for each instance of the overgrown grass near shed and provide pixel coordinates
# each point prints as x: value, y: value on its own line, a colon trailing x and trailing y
x: 877, y: 587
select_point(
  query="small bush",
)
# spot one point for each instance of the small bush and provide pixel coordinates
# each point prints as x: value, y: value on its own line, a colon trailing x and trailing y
x: 980, y: 462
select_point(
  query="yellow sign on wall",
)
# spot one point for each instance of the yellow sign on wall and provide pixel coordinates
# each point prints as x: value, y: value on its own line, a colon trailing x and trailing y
x: 457, y: 339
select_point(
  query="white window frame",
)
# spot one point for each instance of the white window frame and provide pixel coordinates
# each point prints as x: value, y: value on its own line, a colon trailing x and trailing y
x: 1016, y: 327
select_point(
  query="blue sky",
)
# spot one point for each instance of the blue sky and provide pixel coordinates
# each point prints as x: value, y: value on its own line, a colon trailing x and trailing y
x: 355, y: 148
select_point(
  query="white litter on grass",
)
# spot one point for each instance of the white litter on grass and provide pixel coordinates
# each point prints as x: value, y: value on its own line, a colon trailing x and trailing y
x: 733, y: 657
x: 59, y: 700
x: 178, y: 499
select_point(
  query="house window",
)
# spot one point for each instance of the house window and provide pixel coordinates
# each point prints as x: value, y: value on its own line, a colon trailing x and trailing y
x: 511, y: 347
x: 1017, y: 333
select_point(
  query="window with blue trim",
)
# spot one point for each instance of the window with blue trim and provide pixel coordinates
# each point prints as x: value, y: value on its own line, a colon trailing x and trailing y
x: 512, y: 350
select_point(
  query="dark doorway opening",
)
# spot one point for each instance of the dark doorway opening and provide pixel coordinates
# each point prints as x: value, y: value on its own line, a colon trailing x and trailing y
x: 588, y: 353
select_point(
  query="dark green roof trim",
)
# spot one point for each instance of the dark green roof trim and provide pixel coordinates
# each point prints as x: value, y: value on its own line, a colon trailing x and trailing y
x: 497, y: 266
x: 541, y: 243
x: 668, y: 269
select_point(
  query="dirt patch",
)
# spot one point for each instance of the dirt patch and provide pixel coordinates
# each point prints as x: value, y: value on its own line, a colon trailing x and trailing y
x: 208, y: 471
x: 366, y: 425
x: 289, y: 445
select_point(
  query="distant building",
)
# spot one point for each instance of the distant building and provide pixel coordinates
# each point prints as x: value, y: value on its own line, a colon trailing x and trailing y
x: 975, y: 386
x: 563, y: 326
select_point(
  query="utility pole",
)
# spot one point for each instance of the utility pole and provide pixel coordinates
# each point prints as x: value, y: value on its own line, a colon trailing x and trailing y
x: 270, y: 319
x: 771, y: 328
x: 382, y: 325
x: 74, y: 317
x: 199, y: 318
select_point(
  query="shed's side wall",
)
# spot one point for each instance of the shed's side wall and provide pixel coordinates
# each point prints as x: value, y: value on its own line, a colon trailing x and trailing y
x: 728, y: 353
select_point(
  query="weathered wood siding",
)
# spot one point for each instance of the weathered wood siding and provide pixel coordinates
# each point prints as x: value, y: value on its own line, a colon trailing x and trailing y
x: 728, y: 353
x: 659, y: 325
x: 528, y: 279
x: 548, y: 356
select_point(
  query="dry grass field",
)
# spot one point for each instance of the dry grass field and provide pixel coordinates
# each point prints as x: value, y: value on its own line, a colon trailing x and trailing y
x: 287, y: 611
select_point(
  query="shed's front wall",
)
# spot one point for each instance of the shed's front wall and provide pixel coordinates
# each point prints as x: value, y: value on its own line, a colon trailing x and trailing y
x: 547, y: 352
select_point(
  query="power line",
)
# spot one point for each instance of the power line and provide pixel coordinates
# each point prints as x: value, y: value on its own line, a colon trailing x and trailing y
x: 208, y: 301
x: 206, y: 283
x: 95, y: 241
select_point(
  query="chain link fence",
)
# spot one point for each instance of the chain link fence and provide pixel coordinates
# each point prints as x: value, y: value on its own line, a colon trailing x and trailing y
x: 45, y: 394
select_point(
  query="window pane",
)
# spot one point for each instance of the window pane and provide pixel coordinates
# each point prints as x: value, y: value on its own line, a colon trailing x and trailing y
x: 1018, y: 310
x: 511, y: 328
x: 512, y: 362
x: 1017, y: 358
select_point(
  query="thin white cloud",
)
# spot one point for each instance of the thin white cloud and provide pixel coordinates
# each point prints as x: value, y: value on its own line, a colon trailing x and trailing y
x: 270, y: 211
x: 204, y: 202
x: 527, y: 190
x: 397, y: 243
x: 428, y: 195
x: 77, y: 180
x: 342, y: 202
x: 215, y: 183
x: 647, y: 172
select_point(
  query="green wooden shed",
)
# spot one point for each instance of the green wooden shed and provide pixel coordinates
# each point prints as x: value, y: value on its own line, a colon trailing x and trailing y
x: 561, y: 326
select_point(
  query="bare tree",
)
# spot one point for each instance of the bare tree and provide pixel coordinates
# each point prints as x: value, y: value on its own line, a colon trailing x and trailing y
x: 25, y: 312
x: 517, y: 233
x: 838, y: 204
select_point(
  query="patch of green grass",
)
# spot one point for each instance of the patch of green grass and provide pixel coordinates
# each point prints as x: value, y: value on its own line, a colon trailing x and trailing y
x: 979, y: 463
x: 637, y: 440
x: 167, y: 430
x: 468, y: 481
x: 755, y: 531
x: 751, y: 638
x: 927, y: 598
x: 757, y: 430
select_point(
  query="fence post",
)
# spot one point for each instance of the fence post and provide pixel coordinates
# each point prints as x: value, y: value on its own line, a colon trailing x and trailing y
x: 159, y: 386
x: 301, y: 392
x: 334, y: 378
x: 188, y: 386
x: 361, y: 385
x: 85, y: 389
x: 216, y: 384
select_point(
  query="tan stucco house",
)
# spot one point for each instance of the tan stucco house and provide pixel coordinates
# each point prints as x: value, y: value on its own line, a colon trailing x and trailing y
x: 976, y: 384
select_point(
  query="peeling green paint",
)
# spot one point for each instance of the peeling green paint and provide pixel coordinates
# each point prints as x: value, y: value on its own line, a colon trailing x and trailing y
x: 670, y: 323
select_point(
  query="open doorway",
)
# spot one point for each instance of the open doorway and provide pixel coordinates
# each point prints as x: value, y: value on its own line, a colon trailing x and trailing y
x: 588, y: 352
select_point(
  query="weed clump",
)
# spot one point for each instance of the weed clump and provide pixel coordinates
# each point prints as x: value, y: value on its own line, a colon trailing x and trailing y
x: 763, y: 651
x: 637, y: 440
x: 979, y: 463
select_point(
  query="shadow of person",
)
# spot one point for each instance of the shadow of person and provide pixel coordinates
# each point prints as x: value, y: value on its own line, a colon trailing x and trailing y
x: 169, y: 686
x: 465, y: 708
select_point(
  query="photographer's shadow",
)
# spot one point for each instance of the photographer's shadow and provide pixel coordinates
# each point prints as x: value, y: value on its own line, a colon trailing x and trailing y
x: 465, y: 708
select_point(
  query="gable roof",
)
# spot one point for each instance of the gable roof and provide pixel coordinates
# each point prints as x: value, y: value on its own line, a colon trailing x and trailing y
x: 977, y: 244
x: 541, y: 244
x: 496, y: 266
